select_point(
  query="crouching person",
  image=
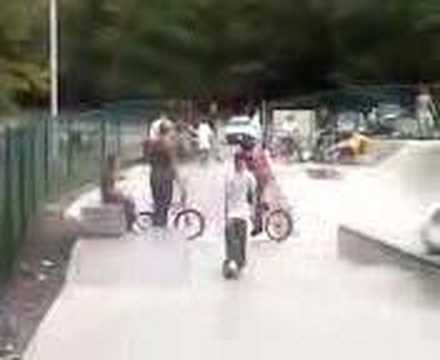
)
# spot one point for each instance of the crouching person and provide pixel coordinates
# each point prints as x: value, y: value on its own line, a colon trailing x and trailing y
x: 240, y: 197
x: 111, y: 195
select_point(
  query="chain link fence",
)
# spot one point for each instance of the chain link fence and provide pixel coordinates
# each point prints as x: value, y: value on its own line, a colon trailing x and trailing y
x: 41, y: 159
x: 25, y: 183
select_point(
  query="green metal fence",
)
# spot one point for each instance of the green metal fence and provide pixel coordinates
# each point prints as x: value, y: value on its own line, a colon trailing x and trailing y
x: 24, y: 184
x: 81, y: 141
x: 43, y: 158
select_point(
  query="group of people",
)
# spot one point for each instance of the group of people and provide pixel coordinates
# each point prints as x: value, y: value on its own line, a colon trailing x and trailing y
x: 351, y: 143
x: 203, y: 133
x: 245, y: 185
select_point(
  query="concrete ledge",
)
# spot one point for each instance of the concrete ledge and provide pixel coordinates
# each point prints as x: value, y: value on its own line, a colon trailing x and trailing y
x: 369, y: 249
x: 105, y: 220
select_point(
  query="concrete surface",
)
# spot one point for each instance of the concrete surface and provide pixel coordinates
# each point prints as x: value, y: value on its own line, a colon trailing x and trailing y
x: 388, y: 204
x: 156, y: 296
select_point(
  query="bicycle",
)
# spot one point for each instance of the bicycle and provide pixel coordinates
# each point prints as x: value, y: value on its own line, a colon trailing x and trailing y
x: 188, y: 220
x: 277, y: 222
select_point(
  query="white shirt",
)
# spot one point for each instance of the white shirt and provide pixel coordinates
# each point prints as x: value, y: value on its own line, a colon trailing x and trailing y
x: 423, y: 103
x: 204, y: 134
x: 237, y: 187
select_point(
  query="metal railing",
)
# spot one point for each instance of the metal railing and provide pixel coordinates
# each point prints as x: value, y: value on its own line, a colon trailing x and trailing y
x: 41, y: 159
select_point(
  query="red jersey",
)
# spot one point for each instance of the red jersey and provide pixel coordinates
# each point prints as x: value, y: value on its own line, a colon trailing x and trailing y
x: 258, y: 163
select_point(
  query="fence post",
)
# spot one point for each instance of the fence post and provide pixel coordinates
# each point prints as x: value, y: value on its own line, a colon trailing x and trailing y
x: 70, y: 147
x: 119, y: 135
x: 22, y: 179
x: 103, y: 139
x: 33, y: 167
x: 46, y: 158
x: 8, y: 235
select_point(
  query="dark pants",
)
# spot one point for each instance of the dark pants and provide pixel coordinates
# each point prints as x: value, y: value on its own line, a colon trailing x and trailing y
x: 162, y: 191
x: 236, y: 236
x: 259, y: 208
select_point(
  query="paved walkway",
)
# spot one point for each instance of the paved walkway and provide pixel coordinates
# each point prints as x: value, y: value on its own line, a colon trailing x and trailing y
x: 159, y: 297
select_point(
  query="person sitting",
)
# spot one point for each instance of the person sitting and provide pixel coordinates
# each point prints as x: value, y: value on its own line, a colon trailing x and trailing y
x: 350, y: 146
x: 111, y: 195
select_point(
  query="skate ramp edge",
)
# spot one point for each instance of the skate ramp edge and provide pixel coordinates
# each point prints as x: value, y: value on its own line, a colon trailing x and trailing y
x: 366, y: 248
x: 385, y: 207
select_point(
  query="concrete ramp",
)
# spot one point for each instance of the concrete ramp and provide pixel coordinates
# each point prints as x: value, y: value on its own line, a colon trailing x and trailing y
x: 386, y: 205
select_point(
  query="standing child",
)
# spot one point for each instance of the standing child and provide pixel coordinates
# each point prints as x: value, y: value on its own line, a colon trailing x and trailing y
x: 240, y: 195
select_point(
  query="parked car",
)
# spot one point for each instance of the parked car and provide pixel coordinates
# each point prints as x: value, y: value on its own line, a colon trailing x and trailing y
x: 238, y: 126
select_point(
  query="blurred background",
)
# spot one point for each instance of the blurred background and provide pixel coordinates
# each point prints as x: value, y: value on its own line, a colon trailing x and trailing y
x: 117, y: 49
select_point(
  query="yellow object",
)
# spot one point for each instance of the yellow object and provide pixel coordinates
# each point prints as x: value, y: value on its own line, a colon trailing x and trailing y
x: 359, y: 144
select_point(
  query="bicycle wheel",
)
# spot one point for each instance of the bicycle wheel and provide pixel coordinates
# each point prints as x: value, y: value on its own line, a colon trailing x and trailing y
x: 145, y: 220
x: 279, y: 225
x: 190, y: 222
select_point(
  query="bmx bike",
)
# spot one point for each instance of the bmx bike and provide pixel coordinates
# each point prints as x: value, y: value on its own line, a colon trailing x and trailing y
x: 277, y: 222
x: 187, y: 220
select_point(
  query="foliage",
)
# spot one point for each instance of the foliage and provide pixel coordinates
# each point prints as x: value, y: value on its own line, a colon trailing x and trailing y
x: 23, y: 73
x: 119, y: 48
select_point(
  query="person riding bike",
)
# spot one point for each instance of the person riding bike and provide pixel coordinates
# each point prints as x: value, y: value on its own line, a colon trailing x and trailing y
x: 257, y: 162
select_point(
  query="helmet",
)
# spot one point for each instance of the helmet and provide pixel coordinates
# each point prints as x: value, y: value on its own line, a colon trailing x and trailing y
x: 248, y: 142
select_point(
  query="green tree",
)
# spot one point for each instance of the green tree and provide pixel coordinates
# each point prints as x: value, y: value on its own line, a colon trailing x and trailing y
x: 114, y: 48
x: 23, y: 73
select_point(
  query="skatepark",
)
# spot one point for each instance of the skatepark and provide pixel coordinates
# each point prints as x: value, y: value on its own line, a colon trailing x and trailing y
x: 338, y: 287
